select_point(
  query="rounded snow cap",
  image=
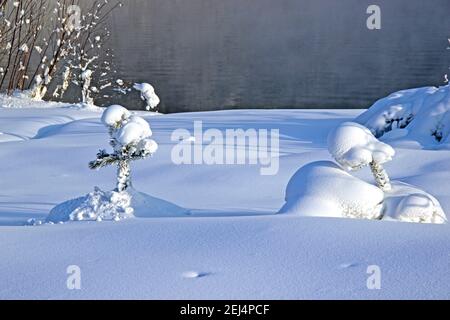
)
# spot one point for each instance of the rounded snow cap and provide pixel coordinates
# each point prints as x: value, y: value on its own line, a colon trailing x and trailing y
x: 354, y: 146
x: 144, y: 124
x: 144, y: 87
x: 131, y: 132
x: 115, y: 114
x: 134, y: 131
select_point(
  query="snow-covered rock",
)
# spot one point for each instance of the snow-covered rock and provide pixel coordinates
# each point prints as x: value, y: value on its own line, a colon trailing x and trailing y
x: 353, y: 146
x: 422, y: 115
x: 148, y: 94
x: 323, y: 189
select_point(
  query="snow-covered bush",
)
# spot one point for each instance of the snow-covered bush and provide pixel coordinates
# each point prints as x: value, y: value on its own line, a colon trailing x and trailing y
x: 353, y: 146
x: 421, y: 115
x: 323, y: 189
x: 148, y: 95
x: 46, y: 44
x: 130, y: 140
x: 21, y: 33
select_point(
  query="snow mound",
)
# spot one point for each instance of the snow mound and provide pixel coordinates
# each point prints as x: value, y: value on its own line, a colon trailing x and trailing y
x: 422, y: 115
x: 114, y: 206
x: 410, y: 204
x: 146, y: 206
x: 96, y: 206
x: 323, y: 189
x: 193, y: 274
x: 354, y: 146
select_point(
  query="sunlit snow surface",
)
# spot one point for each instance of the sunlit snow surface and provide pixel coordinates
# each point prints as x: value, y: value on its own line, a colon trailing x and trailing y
x: 231, y: 245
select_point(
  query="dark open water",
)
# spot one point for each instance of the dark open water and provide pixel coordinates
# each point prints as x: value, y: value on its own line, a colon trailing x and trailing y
x: 215, y: 54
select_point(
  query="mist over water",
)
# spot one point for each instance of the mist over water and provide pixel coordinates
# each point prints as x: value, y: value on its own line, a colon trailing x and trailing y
x: 217, y: 54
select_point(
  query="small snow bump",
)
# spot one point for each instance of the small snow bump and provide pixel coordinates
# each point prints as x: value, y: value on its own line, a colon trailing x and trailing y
x: 193, y: 274
x: 348, y: 265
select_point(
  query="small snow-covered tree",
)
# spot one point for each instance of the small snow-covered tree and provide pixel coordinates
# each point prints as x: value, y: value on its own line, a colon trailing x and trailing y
x: 353, y: 146
x: 148, y: 95
x: 130, y: 140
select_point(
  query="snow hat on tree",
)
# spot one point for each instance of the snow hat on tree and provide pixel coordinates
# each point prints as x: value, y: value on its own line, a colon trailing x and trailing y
x: 130, y: 139
x: 148, y: 95
x: 115, y: 115
x: 354, y: 146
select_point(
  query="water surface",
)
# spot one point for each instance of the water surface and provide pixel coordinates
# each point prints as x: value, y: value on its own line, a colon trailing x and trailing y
x: 215, y: 54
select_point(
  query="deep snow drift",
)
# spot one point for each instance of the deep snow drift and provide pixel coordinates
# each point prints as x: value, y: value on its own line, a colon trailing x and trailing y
x: 232, y: 236
x: 323, y: 189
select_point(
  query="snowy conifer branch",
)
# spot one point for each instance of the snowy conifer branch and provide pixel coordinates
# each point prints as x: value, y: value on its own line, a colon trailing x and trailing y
x: 103, y: 159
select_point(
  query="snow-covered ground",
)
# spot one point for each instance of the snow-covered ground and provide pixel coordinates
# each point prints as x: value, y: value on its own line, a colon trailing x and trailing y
x: 232, y: 245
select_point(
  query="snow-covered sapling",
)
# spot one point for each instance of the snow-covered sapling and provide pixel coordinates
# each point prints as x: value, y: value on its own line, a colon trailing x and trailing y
x: 353, y: 146
x: 130, y: 139
x: 148, y: 95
